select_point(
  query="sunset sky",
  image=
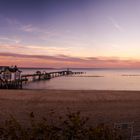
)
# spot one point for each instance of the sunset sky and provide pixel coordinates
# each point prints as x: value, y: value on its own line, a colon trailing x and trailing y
x: 70, y: 33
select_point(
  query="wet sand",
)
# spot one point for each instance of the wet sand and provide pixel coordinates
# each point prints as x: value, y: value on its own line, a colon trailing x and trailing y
x: 99, y: 106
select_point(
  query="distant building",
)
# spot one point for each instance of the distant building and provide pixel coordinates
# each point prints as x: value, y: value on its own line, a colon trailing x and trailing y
x: 10, y: 73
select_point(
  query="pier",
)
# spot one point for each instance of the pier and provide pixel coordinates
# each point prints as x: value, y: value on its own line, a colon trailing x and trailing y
x: 11, y: 77
x: 46, y: 76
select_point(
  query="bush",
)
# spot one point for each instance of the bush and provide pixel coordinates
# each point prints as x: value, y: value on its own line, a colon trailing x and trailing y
x: 73, y: 127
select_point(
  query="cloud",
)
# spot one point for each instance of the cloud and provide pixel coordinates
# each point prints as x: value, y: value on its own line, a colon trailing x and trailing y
x: 68, y: 61
x: 33, y: 49
x: 115, y: 24
x: 29, y: 28
x: 45, y: 57
x: 20, y: 26
x: 42, y: 33
x: 10, y: 40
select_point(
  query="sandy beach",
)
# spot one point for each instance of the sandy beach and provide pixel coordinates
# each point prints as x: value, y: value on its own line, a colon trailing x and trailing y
x: 99, y: 106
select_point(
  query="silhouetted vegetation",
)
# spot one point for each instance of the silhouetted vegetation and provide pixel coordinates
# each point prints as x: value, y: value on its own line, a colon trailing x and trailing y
x: 71, y: 127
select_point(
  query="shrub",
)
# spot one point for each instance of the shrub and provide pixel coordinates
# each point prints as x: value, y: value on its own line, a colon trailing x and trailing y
x: 71, y: 127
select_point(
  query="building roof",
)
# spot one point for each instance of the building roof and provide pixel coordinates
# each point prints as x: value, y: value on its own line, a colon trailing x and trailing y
x: 11, y: 69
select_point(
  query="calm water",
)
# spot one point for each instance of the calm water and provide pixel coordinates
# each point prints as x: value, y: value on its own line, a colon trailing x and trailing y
x: 94, y: 79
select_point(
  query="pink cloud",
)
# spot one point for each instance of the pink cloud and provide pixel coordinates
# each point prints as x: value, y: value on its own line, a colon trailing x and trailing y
x: 65, y: 61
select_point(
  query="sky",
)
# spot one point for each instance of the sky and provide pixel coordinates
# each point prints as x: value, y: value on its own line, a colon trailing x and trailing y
x: 70, y: 33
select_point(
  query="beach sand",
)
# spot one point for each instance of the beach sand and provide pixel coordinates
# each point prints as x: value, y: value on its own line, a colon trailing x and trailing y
x: 99, y: 106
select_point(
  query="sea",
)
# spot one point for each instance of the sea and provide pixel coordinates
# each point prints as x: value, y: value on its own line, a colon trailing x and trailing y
x: 91, y: 79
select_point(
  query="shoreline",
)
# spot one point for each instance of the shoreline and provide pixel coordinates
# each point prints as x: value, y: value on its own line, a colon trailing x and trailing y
x: 49, y: 89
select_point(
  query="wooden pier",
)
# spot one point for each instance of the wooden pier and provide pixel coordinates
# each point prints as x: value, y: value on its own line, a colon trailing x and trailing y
x: 17, y: 84
x: 46, y: 76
